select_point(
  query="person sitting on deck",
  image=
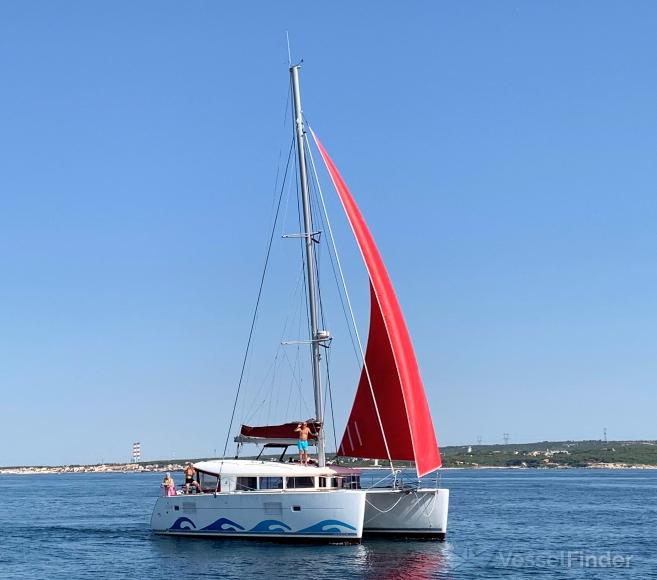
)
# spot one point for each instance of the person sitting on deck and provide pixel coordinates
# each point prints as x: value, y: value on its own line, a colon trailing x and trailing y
x: 302, y: 444
x: 169, y: 485
x: 189, y: 479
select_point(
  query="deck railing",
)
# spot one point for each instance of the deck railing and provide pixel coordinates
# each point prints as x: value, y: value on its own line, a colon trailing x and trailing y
x: 398, y: 479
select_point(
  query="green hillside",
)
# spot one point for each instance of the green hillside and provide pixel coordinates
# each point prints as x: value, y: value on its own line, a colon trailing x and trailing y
x: 552, y: 454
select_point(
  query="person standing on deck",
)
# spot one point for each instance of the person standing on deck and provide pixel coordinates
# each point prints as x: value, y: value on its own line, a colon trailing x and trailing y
x: 302, y: 444
x: 190, y: 482
x: 169, y: 485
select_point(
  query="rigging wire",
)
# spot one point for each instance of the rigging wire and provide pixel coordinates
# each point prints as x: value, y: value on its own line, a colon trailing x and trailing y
x: 328, y: 400
x: 289, y: 322
x: 316, y: 217
x: 270, y: 371
x: 303, y: 255
x: 293, y: 369
x: 330, y: 397
x: 351, y: 311
x: 276, y: 362
x: 280, y: 151
x: 257, y: 305
x: 333, y: 269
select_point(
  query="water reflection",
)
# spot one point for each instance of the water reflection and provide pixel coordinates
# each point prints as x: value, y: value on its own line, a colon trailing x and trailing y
x: 380, y: 559
x: 389, y: 560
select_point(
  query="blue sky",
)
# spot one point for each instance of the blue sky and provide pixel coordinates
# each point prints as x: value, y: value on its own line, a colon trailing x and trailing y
x: 503, y: 154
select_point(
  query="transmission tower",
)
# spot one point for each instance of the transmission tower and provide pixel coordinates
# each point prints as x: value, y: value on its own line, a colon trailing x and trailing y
x: 506, y: 438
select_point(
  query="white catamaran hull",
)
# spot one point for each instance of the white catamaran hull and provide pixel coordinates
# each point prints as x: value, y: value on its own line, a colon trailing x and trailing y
x: 327, y: 516
x: 419, y: 513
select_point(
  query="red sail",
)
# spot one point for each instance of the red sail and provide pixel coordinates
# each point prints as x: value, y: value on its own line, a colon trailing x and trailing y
x: 394, y: 387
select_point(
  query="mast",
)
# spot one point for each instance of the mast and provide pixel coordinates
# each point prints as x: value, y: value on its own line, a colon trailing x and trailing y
x: 316, y: 336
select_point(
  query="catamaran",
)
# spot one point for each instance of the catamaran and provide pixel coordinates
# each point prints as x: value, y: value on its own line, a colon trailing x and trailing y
x: 390, y: 420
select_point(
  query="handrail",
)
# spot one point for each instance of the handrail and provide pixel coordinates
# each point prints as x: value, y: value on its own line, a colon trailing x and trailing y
x: 400, y: 480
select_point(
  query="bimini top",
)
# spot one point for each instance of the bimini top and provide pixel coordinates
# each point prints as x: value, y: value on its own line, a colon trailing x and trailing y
x: 251, y: 468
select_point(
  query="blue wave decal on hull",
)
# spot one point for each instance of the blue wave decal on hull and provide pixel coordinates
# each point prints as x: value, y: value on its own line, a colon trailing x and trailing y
x: 328, y: 527
x: 183, y: 524
x: 271, y: 526
x: 223, y: 525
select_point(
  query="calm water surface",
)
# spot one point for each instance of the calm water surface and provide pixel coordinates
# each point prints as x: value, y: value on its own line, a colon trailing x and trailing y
x: 503, y: 524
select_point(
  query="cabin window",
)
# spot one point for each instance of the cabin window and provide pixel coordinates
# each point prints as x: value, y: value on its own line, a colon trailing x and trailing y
x: 271, y: 483
x: 208, y: 482
x: 246, y: 484
x: 300, y: 482
x: 327, y: 482
x: 351, y: 482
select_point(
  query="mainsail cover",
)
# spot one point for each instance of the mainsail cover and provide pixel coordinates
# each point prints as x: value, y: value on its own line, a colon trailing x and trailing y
x: 285, y: 431
x: 390, y: 418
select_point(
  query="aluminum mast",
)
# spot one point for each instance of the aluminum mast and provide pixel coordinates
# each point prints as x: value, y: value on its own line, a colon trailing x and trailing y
x: 316, y: 336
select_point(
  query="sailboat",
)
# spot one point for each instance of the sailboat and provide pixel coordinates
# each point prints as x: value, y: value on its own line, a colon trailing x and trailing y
x: 390, y: 420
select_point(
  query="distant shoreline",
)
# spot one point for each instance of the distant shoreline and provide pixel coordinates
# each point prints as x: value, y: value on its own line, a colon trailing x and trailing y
x: 540, y: 455
x: 592, y: 454
x: 130, y: 468
x: 97, y: 468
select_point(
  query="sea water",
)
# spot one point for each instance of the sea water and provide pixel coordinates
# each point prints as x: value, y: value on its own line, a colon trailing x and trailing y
x: 502, y: 524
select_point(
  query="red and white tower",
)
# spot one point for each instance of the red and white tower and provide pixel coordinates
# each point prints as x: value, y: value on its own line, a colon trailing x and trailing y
x: 136, y: 452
